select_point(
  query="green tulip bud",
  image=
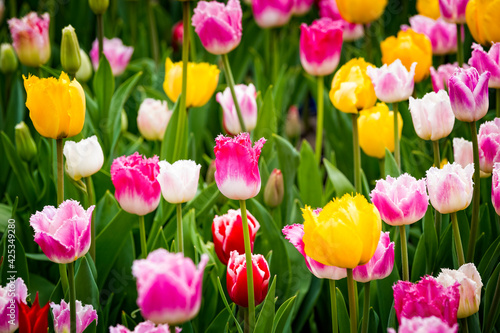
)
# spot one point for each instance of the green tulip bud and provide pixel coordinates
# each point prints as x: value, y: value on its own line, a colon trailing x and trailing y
x: 8, y: 59
x: 124, y: 121
x: 99, y: 6
x: 275, y: 189
x: 26, y: 147
x: 70, y: 50
x: 84, y: 73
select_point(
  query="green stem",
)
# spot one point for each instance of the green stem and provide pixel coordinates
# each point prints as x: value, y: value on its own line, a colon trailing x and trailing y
x: 248, y: 260
x: 356, y: 152
x: 60, y: 199
x: 368, y: 42
x: 460, y: 49
x: 366, y: 309
x: 275, y: 54
x: 352, y: 301
x: 245, y: 316
x: 498, y: 102
x: 142, y: 231
x: 404, y: 253
x: 333, y: 301
x: 153, y: 32
x: 100, y: 34
x: 180, y: 236
x: 72, y: 296
x: 230, y: 83
x: 319, y: 127
x: 91, y: 201
x: 192, y: 46
x: 475, y: 199
x: 490, y: 320
x: 465, y: 327
x: 437, y: 163
x: 64, y: 278
x: 381, y: 166
x: 397, y: 151
x: 458, y: 239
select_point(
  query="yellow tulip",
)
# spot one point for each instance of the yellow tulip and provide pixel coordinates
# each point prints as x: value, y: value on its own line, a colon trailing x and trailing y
x: 361, y: 11
x: 429, y: 8
x: 57, y: 106
x: 482, y: 19
x: 376, y: 130
x: 352, y: 88
x: 409, y: 47
x: 344, y: 234
x: 201, y: 82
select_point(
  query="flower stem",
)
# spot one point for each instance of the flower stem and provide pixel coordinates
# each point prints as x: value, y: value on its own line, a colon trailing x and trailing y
x: 368, y: 42
x: 230, y: 83
x: 490, y: 320
x: 381, y: 166
x: 248, y: 260
x: 333, y: 301
x: 319, y: 127
x: 498, y: 102
x: 245, y: 316
x: 458, y: 239
x: 397, y: 151
x: 153, y: 33
x: 460, y: 49
x: 91, y: 201
x: 352, y: 301
x: 356, y: 152
x: 404, y: 253
x: 72, y: 296
x: 180, y: 236
x: 437, y: 163
x: 142, y: 231
x: 100, y: 34
x: 60, y: 171
x: 366, y: 309
x: 475, y: 200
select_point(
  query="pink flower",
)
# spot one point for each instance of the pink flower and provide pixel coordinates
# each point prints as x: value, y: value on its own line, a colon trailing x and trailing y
x: 351, y: 31
x: 31, y: 38
x: 177, y: 35
x: 294, y: 233
x: 462, y: 152
x: 392, y: 83
x: 489, y: 145
x: 443, y: 35
x: 426, y: 298
x: 495, y: 188
x: 432, y: 115
x: 237, y: 166
x: 218, y: 25
x: 11, y: 295
x: 453, y: 11
x: 152, y: 119
x: 487, y: 62
x: 63, y: 233
x: 144, y: 327
x: 380, y: 265
x: 136, y: 186
x: 301, y: 7
x: 179, y: 181
x: 117, y: 54
x: 272, y: 13
x: 161, y: 274
x: 248, y: 106
x: 440, y: 76
x: 401, y: 200
x: 430, y: 324
x: 320, y: 46
x: 85, y: 315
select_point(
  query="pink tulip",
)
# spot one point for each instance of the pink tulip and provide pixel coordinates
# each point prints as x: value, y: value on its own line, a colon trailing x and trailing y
x: 63, y: 233
x: 294, y: 233
x: 426, y: 298
x: 152, y: 119
x: 11, y: 295
x: 272, y: 13
x: 218, y: 25
x: 177, y: 35
x: 301, y: 7
x: 248, y: 107
x: 487, y: 62
x: 237, y: 166
x: 450, y: 188
x: 351, y: 31
x: 430, y: 324
x: 30, y: 36
x: 320, y: 46
x: 443, y: 35
x: 495, y: 188
x: 392, y: 83
x: 440, y: 76
x: 85, y: 315
x: 144, y: 327
x: 432, y: 115
x: 161, y: 274
x: 469, y: 94
x: 118, y: 55
x: 489, y: 145
x: 380, y: 265
x: 401, y: 200
x: 136, y: 186
x: 453, y: 11
x: 179, y: 181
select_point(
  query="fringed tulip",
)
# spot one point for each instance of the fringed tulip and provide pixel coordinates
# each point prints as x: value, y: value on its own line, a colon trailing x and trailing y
x: 11, y: 296
x: 246, y: 96
x: 443, y: 35
x: 152, y: 119
x: 301, y: 7
x: 495, y: 188
x: 85, y: 315
x: 272, y: 13
x: 350, y: 31
x: 482, y: 19
x: 487, y: 62
x: 430, y: 324
x: 429, y: 8
x: 392, y: 83
x: 360, y: 11
x: 117, y: 54
x: 489, y: 145
x: 453, y: 11
x: 163, y: 273
x: 34, y: 319
x: 179, y: 181
x: 144, y: 327
x: 83, y: 159
x: 380, y: 265
x: 441, y: 76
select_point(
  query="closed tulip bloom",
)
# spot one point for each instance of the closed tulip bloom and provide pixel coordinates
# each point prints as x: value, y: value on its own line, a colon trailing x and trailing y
x: 360, y: 11
x: 83, y: 159
x: 85, y: 315
x: 84, y: 73
x: 469, y: 94
x: 489, y: 145
x: 33, y: 319
x: 144, y: 327
x: 57, y: 106
x: 30, y: 36
x: 275, y: 189
x: 380, y: 265
x: 495, y: 188
x: 137, y: 189
x: 163, y: 273
x: 453, y: 11
x: 429, y: 8
x: 301, y: 7
x: 350, y: 31
x: 320, y: 46
x: 236, y: 278
x: 430, y: 324
x: 432, y: 115
x: 272, y: 13
x: 376, y: 130
x: 462, y: 152
x: 470, y: 287
x: 441, y: 76
x: 152, y: 119
x: 237, y: 166
x: 352, y: 89
x: 201, y: 82
x: 218, y: 25
x: 8, y: 59
x: 344, y: 234
x: 293, y: 124
x: 117, y: 54
x: 177, y: 35
x: 443, y: 35
x: 63, y: 233
x: 487, y: 62
x: 450, y: 188
x: 392, y: 83
x: 248, y: 107
x: 482, y: 19
x: 227, y: 232
x: 179, y: 181
x: 14, y: 293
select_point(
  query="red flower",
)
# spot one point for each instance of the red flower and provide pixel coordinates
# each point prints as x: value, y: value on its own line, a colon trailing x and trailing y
x: 34, y: 319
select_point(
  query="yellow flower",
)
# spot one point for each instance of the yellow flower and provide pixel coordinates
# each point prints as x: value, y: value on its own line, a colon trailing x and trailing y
x: 361, y: 11
x: 409, y: 47
x: 352, y: 88
x: 429, y: 8
x: 482, y: 19
x: 344, y: 234
x: 57, y: 106
x: 201, y: 82
x: 376, y: 130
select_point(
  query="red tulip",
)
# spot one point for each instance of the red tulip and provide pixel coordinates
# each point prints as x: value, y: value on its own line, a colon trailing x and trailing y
x: 34, y: 319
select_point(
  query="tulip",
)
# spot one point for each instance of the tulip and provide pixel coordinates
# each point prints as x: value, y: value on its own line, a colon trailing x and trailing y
x: 301, y: 7
x: 34, y: 319
x: 489, y: 145
x: 177, y: 35
x: 135, y: 179
x: 429, y: 8
x: 179, y: 181
x: 487, y: 62
x: 144, y: 327
x: 227, y: 232
x: 26, y: 147
x: 495, y: 188
x: 462, y: 152
x: 469, y: 94
x: 424, y: 325
x: 275, y: 190
x: 8, y: 59
x: 99, y: 6
x: 199, y: 90
x: 409, y: 46
x: 482, y: 20
x: 470, y: 287
x: 237, y: 166
x: 432, y: 115
x: 320, y: 46
x: 272, y: 13
x: 218, y: 25
x: 31, y: 38
x: 376, y: 130
x: 210, y: 176
x: 163, y: 273
x: 57, y: 107
x: 85, y: 315
x: 70, y: 50
x: 453, y: 11
x: 236, y: 278
x: 441, y: 76
x: 85, y: 71
x: 443, y: 35
x: 292, y: 123
x: 359, y: 11
x: 118, y: 55
x: 392, y: 83
x: 350, y: 31
x: 248, y: 106
x: 12, y: 295
x: 152, y: 119
x: 352, y: 89
x: 380, y: 265
x: 83, y: 159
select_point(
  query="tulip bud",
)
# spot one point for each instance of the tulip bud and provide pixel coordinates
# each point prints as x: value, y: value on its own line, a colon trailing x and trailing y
x: 274, y: 191
x: 124, y: 121
x: 25, y: 144
x: 209, y: 178
x: 98, y: 6
x: 8, y: 59
x: 292, y: 124
x: 85, y: 71
x: 70, y: 50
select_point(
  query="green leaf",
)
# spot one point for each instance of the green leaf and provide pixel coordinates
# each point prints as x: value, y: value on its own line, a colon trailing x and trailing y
x: 224, y: 300
x: 490, y: 259
x: 419, y: 260
x: 309, y: 177
x: 391, y: 167
x: 41, y: 285
x: 204, y: 201
x: 342, y: 314
x: 86, y: 288
x: 218, y: 324
x: 104, y: 87
x: 374, y: 321
x: 431, y: 240
x: 265, y: 321
x: 283, y: 318
x: 170, y: 137
x: 14, y: 260
x: 266, y: 123
x: 489, y: 293
x: 340, y: 182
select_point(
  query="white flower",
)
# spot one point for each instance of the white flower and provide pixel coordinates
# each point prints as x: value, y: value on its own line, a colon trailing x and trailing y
x: 84, y: 158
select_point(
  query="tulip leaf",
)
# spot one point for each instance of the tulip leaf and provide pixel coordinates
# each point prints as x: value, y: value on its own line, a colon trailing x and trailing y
x: 14, y: 260
x: 41, y: 285
x: 339, y: 181
x: 86, y: 288
x: 309, y: 177
x: 386, y: 304
x: 431, y: 240
x: 284, y: 316
x: 204, y: 201
x: 265, y: 321
x: 419, y: 260
x: 105, y: 210
x: 444, y: 257
x: 307, y: 305
x: 490, y: 258
x: 374, y: 321
x: 489, y: 292
x: 170, y: 137
x: 266, y: 123
x: 391, y: 167
x: 104, y: 87
x: 217, y: 325
x: 226, y: 304
x: 342, y: 314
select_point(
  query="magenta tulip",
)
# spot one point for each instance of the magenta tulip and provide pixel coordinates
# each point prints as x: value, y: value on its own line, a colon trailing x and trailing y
x: 489, y: 145
x: 301, y: 7
x: 351, y: 31
x: 443, y: 35
x: 117, y: 54
x: 11, y: 295
x: 144, y: 327
x: 85, y: 315
x: 380, y: 265
x: 430, y: 324
x: 246, y: 96
x: 272, y: 13
x: 440, y: 76
x: 453, y: 11
x: 495, y: 188
x: 487, y: 62
x: 392, y: 83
